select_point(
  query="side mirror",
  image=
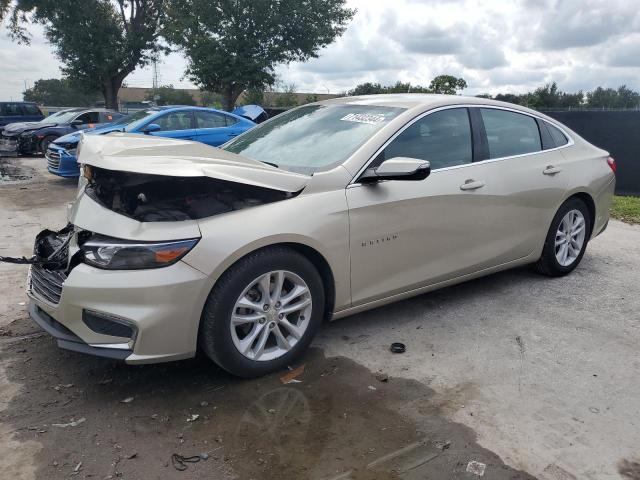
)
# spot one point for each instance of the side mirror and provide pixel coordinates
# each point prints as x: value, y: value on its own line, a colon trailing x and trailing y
x: 152, y: 127
x: 77, y: 123
x: 398, y: 168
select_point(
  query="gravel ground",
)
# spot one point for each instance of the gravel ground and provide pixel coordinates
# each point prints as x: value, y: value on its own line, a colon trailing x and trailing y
x: 528, y: 376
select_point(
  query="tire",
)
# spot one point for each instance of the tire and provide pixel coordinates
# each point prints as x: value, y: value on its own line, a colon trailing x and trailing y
x: 550, y: 261
x: 44, y: 143
x: 241, y: 284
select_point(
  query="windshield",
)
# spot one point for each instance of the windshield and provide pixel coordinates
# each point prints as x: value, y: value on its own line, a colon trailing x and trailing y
x: 60, y: 117
x: 313, y: 137
x: 135, y: 120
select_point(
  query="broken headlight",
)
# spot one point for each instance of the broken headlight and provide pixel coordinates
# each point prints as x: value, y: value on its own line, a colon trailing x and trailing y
x: 115, y: 254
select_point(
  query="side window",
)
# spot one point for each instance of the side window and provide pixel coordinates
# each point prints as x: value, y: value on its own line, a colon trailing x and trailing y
x: 108, y: 117
x: 443, y: 138
x: 89, y: 117
x: 31, y: 109
x: 230, y: 120
x: 174, y: 121
x: 559, y: 139
x: 510, y: 133
x: 210, y: 119
x: 11, y: 109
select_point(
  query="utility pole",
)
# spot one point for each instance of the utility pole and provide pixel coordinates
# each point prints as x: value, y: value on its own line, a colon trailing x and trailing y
x: 155, y: 80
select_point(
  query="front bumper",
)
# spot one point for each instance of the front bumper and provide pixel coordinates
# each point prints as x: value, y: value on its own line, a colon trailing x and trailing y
x: 162, y: 305
x: 60, y: 162
x: 9, y: 144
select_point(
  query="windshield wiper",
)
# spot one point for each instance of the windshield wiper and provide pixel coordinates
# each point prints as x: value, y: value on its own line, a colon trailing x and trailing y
x: 270, y: 163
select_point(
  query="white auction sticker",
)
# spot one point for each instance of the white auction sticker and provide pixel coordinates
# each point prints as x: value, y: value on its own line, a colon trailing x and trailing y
x: 369, y: 118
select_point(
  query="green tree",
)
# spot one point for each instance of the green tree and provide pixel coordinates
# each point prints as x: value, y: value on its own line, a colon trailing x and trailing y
x: 233, y: 45
x: 369, y: 88
x: 167, y: 95
x: 550, y: 96
x: 623, y: 97
x: 287, y: 97
x: 99, y: 42
x: 60, y: 93
x: 447, y: 84
x: 253, y: 96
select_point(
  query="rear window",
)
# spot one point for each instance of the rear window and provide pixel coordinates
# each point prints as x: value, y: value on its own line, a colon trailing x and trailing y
x: 510, y: 133
x: 559, y: 138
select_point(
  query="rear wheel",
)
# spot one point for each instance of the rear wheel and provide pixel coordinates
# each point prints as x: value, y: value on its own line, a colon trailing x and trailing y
x: 566, y: 240
x: 263, y: 312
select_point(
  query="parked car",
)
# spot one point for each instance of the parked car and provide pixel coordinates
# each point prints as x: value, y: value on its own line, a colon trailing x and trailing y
x: 324, y: 211
x: 11, y: 112
x: 205, y: 125
x: 34, y: 137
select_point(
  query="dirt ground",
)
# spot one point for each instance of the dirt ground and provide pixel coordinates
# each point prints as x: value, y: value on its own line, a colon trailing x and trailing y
x: 528, y: 377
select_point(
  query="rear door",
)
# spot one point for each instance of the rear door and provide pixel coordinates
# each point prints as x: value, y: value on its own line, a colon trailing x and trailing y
x: 214, y: 128
x: 178, y: 124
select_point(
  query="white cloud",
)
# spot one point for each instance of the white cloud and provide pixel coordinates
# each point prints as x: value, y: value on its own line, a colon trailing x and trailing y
x: 496, y: 45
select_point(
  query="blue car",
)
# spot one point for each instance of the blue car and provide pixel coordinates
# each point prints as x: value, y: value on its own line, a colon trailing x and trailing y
x: 205, y: 125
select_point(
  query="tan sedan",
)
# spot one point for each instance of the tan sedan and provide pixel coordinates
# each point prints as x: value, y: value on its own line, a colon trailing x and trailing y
x: 323, y: 211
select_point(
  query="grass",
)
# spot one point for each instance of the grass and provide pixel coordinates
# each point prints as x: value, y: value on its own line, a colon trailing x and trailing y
x: 626, y: 209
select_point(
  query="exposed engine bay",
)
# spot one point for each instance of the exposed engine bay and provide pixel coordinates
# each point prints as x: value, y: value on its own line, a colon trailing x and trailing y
x: 158, y: 198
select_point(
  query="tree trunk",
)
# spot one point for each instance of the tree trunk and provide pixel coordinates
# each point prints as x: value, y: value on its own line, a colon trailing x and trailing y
x: 110, y: 89
x: 229, y: 98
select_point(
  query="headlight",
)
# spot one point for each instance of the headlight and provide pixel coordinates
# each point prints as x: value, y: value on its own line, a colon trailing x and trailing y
x: 115, y: 254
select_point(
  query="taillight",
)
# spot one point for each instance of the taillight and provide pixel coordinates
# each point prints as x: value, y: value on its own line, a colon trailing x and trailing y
x: 612, y: 164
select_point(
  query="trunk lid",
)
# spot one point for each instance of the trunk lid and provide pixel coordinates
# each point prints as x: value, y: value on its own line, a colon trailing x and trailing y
x: 152, y: 155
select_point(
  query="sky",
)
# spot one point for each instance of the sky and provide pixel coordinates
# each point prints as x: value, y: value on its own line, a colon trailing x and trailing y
x: 495, y: 45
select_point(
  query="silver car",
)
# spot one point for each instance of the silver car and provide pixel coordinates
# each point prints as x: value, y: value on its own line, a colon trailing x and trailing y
x: 326, y: 210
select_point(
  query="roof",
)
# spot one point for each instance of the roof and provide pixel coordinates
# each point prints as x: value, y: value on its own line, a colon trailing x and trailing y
x: 412, y: 100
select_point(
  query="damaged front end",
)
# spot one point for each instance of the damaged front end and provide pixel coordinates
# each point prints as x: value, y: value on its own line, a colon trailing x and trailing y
x: 159, y: 198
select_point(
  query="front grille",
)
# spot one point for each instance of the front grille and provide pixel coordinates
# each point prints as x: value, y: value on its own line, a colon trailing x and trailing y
x: 46, y: 284
x: 53, y: 159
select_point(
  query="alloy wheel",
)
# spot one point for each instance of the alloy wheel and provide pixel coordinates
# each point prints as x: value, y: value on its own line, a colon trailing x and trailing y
x: 271, y: 315
x: 570, y: 237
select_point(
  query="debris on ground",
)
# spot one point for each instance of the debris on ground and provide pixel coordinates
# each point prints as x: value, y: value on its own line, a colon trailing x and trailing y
x: 60, y: 386
x: 193, y: 417
x: 397, y: 347
x: 73, y: 423
x: 204, y: 404
x: 382, y: 377
x: 132, y: 455
x: 292, y: 376
x: 442, y: 445
x: 77, y: 469
x: 476, y: 468
x: 179, y: 462
x: 372, y: 388
x: 127, y: 400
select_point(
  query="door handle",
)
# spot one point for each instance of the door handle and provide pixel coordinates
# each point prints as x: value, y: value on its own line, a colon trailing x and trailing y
x: 551, y: 170
x: 472, y: 184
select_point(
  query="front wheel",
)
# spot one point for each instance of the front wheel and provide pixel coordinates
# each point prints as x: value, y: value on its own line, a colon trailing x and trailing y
x: 566, y: 240
x: 44, y: 143
x: 263, y: 312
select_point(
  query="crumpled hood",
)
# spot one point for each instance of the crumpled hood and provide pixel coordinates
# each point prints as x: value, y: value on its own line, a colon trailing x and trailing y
x: 17, y: 128
x: 181, y: 158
